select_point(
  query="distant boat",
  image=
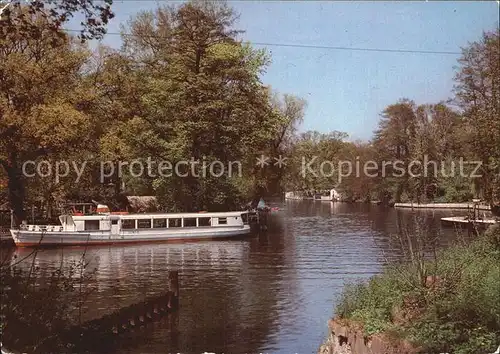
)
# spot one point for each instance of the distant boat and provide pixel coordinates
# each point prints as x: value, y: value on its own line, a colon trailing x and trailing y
x: 118, y: 228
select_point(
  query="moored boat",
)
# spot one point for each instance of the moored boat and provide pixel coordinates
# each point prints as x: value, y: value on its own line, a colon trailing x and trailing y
x: 467, y: 220
x: 118, y: 228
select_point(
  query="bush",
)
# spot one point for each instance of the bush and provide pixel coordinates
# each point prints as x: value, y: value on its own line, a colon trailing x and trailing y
x: 460, y: 314
x: 41, y: 307
x: 372, y: 303
x: 493, y: 236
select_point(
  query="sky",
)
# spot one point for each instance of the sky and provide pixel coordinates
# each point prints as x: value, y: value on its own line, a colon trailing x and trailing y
x: 346, y: 90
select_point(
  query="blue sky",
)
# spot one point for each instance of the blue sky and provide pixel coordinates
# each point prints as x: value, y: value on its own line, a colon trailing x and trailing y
x: 346, y: 90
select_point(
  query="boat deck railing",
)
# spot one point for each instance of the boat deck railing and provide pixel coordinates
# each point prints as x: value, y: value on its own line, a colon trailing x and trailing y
x: 49, y: 228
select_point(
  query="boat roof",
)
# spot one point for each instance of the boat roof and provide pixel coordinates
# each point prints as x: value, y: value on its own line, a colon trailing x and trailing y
x: 159, y: 215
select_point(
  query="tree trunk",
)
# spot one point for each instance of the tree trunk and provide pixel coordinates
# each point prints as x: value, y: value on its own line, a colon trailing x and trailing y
x: 49, y: 208
x: 16, y: 192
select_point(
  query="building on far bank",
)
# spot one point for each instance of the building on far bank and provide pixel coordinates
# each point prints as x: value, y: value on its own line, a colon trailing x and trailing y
x: 326, y: 195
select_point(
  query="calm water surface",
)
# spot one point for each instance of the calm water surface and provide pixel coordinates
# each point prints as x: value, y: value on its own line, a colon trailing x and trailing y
x: 270, y: 293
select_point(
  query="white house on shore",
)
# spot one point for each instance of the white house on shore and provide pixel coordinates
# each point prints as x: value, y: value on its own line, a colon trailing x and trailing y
x: 327, y: 195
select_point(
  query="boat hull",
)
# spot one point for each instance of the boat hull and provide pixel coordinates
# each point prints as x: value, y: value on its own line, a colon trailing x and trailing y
x: 25, y: 238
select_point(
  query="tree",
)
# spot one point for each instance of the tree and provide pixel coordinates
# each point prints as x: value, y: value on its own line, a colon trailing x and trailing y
x: 290, y: 112
x: 446, y: 139
x: 427, y: 141
x: 200, y: 98
x: 358, y: 186
x: 16, y: 17
x: 39, y: 87
x: 319, y: 152
x: 393, y: 143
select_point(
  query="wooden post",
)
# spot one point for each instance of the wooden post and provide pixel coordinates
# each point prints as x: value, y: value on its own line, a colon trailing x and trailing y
x: 173, y: 277
x: 33, y: 215
x: 12, y: 219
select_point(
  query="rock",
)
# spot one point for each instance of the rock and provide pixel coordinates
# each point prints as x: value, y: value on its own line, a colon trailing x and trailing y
x: 347, y: 337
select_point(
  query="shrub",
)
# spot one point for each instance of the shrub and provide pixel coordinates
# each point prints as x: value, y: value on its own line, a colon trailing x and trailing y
x: 493, y: 236
x: 460, y: 314
x: 41, y: 307
x: 372, y: 303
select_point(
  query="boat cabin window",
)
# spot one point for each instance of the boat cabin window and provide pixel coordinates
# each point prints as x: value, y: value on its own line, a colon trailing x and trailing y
x: 189, y: 222
x: 128, y: 224
x: 144, y: 223
x: 91, y: 224
x: 114, y: 222
x: 159, y: 223
x: 244, y: 217
x: 203, y: 221
x: 222, y: 221
x: 176, y: 222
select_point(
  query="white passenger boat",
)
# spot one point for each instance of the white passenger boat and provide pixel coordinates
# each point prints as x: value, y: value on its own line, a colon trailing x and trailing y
x: 118, y: 228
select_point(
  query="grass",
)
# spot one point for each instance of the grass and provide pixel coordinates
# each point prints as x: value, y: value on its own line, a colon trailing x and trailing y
x: 459, y: 313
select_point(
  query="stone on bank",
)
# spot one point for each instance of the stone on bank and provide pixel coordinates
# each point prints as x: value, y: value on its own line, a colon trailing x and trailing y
x: 347, y: 337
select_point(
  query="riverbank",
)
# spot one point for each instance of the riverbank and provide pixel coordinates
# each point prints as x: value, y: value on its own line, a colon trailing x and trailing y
x: 449, y: 304
x: 442, y: 206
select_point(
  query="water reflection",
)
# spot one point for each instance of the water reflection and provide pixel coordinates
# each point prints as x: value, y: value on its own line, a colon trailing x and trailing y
x: 272, y: 292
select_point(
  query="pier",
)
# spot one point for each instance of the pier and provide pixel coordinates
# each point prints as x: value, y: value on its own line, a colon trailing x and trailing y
x: 465, y: 206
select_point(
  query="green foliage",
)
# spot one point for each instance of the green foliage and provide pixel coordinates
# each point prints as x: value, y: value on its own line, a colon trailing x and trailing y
x: 493, y: 235
x: 40, y: 91
x: 455, y: 189
x: 477, y: 91
x: 182, y: 86
x: 206, y: 102
x: 315, y: 148
x: 461, y: 314
x: 41, y: 310
x: 94, y: 16
x: 409, y: 133
x: 372, y: 303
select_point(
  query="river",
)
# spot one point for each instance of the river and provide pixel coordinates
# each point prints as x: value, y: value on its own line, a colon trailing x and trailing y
x: 270, y: 293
